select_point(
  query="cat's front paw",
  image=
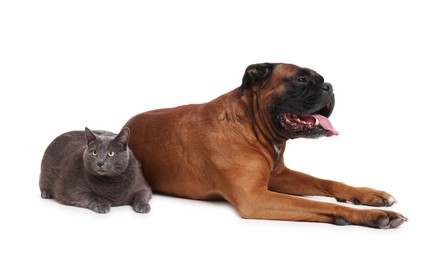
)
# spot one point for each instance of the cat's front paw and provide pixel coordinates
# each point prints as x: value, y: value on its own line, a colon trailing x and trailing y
x: 102, y: 208
x: 141, y: 207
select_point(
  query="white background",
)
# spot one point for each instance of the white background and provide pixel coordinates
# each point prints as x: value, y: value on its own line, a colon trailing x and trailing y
x: 65, y: 65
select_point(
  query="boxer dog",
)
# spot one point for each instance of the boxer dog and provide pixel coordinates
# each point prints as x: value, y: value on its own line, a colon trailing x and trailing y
x: 232, y: 148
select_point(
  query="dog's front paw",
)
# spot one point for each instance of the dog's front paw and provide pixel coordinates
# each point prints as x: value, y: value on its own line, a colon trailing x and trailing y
x: 371, y: 218
x: 388, y: 219
x: 370, y: 197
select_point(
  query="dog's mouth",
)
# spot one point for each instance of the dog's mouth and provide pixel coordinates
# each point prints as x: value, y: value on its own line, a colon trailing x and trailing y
x: 309, y: 125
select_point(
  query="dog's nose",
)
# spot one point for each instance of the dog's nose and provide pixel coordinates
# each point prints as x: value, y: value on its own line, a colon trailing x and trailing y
x: 326, y: 87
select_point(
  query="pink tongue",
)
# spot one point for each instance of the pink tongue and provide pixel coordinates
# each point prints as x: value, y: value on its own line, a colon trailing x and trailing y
x: 325, y: 123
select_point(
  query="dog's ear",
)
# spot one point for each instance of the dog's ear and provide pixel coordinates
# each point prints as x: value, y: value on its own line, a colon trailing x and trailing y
x: 255, y: 73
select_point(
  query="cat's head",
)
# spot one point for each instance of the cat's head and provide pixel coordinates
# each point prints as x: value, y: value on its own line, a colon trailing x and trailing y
x: 106, y: 154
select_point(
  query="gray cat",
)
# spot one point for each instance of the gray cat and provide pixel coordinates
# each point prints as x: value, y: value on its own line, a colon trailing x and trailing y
x: 94, y: 170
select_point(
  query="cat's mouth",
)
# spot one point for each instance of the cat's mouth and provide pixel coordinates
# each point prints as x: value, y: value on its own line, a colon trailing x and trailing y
x: 105, y: 172
x: 102, y: 171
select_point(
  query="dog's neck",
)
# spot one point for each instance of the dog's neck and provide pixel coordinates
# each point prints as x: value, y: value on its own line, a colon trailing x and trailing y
x: 245, y: 110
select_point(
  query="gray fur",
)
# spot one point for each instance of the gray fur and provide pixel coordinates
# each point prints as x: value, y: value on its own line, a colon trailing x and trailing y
x: 94, y: 170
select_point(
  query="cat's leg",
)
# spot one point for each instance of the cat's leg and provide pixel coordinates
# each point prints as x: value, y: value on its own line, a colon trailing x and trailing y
x: 46, y: 185
x: 91, y: 201
x: 45, y: 194
x: 140, y: 201
x: 101, y: 208
x: 98, y: 205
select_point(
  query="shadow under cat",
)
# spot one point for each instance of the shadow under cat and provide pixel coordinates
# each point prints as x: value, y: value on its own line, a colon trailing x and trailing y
x: 95, y: 170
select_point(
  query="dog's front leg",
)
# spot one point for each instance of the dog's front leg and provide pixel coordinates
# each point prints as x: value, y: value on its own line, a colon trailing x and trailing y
x: 264, y: 204
x: 297, y: 183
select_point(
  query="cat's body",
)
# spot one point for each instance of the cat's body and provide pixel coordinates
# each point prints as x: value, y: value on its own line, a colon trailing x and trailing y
x: 94, y: 170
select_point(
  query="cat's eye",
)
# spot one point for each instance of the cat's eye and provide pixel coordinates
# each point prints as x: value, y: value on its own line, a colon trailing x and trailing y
x: 111, y: 153
x: 94, y: 153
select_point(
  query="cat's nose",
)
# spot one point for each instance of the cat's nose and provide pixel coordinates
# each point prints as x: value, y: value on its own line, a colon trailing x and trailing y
x: 100, y: 164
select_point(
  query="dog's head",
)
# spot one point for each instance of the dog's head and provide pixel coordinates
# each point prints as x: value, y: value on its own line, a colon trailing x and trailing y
x: 298, y: 100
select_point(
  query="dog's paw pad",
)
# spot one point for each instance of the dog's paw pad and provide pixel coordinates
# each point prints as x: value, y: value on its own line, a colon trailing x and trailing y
x: 391, y: 220
x: 340, y: 221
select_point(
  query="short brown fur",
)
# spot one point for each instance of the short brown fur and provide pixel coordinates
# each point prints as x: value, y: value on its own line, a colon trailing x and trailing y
x: 228, y: 148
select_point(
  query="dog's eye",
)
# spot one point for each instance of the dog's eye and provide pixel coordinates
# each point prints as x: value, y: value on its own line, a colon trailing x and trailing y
x: 302, y: 80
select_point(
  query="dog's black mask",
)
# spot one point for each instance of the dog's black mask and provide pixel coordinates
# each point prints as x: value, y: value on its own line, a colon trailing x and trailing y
x: 301, y: 101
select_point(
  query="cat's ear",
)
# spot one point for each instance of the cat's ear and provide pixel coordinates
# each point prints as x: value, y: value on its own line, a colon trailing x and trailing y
x: 90, y: 136
x: 123, y: 137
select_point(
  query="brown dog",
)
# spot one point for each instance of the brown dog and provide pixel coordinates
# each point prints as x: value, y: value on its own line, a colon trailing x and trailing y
x: 232, y: 148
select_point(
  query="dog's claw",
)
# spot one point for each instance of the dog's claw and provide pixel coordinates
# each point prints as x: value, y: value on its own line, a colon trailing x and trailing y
x: 390, y: 221
x: 390, y: 201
